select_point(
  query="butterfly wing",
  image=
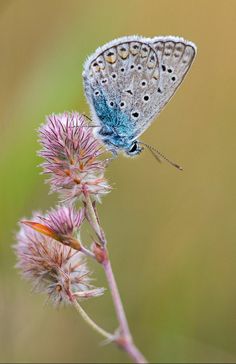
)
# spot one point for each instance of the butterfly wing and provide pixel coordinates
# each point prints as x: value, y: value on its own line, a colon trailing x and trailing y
x: 126, y: 84
x: 175, y: 56
x: 119, y: 75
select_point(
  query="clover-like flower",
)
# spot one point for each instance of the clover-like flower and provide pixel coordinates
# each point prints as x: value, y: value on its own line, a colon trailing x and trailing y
x: 72, y: 156
x: 54, y: 268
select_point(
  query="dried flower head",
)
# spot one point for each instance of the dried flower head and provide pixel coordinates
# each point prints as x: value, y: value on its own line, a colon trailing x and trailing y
x: 72, y: 157
x: 53, y: 268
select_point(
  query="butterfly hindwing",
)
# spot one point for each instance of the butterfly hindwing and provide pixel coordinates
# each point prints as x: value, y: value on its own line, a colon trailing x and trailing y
x: 175, y: 56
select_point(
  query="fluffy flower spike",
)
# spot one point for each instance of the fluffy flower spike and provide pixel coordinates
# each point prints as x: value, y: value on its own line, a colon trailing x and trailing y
x: 72, y: 157
x: 53, y: 268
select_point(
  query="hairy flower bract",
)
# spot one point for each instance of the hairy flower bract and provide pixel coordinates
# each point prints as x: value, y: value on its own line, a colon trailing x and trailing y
x: 72, y: 157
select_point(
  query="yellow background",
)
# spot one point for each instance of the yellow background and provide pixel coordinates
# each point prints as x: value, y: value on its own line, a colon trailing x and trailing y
x: 172, y: 235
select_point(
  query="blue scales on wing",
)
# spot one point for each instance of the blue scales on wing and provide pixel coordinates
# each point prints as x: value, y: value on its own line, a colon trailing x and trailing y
x: 119, y: 82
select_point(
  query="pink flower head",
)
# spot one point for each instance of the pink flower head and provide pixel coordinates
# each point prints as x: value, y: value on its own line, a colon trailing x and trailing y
x: 61, y: 224
x: 53, y: 268
x: 72, y: 157
x: 64, y: 222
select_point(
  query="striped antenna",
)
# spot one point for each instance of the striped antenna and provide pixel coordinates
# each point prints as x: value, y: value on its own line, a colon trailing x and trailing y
x: 159, y: 156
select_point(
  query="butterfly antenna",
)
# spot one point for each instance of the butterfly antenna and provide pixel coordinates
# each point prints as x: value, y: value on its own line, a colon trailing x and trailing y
x: 91, y: 126
x: 159, y: 156
x: 87, y: 117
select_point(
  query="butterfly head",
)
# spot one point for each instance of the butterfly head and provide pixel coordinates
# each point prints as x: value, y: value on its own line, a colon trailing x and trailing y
x: 134, y: 149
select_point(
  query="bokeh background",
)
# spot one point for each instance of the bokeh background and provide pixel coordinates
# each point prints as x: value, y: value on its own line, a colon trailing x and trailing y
x: 172, y: 235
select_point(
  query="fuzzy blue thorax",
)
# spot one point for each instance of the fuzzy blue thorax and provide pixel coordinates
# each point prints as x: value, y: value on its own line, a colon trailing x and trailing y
x: 117, y: 128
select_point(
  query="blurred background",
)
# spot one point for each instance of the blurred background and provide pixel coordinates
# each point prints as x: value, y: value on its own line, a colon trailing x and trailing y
x: 172, y: 235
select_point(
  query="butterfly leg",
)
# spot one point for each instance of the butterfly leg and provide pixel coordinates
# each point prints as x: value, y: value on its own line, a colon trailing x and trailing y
x: 107, y: 161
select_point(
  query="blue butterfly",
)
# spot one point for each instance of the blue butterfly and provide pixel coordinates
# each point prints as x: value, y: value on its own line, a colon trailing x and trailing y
x: 128, y: 82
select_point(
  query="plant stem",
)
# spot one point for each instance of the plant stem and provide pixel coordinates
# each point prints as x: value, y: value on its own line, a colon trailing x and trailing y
x: 134, y: 353
x: 94, y: 222
x: 125, y: 340
x: 89, y: 321
x: 124, y: 328
x: 87, y: 252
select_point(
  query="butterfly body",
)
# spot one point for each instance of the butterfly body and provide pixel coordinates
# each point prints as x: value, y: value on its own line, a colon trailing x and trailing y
x: 128, y: 82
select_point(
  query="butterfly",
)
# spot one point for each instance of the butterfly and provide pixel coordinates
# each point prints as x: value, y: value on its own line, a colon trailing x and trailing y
x: 128, y: 81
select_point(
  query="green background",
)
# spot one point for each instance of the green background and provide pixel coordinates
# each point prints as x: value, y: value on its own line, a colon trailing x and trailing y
x: 171, y: 234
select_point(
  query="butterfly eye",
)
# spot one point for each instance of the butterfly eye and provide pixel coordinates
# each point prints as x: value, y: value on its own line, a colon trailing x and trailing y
x: 133, y: 148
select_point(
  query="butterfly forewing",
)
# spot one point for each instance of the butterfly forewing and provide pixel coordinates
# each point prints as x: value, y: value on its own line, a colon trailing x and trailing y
x: 127, y: 73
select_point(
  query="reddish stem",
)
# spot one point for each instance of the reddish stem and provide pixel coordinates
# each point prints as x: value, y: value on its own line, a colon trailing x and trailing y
x: 125, y: 340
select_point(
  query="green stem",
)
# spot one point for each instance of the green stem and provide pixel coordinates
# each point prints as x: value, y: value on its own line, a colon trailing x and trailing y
x: 94, y: 221
x: 91, y: 323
